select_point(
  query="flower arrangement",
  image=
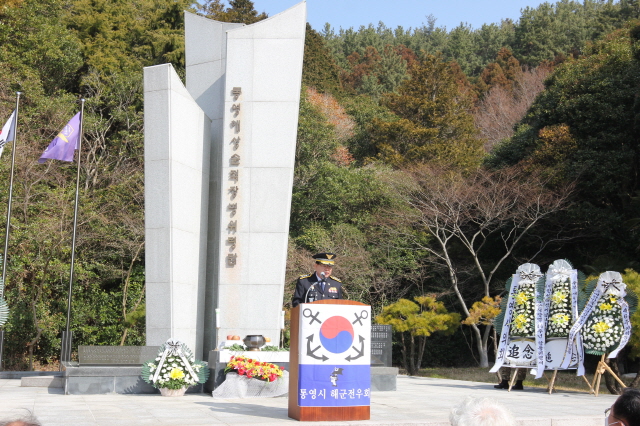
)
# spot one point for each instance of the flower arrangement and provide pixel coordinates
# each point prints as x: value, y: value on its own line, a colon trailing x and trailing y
x: 603, y: 330
x: 254, y: 369
x: 175, y: 367
x: 524, y: 310
x: 560, y: 318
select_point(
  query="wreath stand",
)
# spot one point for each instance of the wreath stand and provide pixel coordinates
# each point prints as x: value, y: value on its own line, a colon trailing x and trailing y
x: 552, y: 382
x: 602, y: 367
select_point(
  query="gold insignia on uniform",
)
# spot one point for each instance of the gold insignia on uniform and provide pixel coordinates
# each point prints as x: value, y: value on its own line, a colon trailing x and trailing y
x: 334, y: 278
x: 305, y: 276
x: 330, y: 256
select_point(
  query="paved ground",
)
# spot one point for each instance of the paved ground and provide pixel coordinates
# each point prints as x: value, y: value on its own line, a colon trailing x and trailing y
x: 418, y: 401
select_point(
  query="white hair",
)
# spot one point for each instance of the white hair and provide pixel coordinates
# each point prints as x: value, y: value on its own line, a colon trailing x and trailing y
x: 480, y: 412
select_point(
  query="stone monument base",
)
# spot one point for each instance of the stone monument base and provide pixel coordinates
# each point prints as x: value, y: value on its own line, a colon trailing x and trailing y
x: 110, y: 369
x: 79, y: 380
x: 383, y: 378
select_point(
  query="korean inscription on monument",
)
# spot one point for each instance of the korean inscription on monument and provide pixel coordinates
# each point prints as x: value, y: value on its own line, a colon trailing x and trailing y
x: 381, y: 345
x: 234, y: 177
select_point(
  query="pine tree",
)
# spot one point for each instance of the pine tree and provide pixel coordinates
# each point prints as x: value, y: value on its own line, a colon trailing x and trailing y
x: 239, y: 11
x: 435, y: 122
x: 319, y: 69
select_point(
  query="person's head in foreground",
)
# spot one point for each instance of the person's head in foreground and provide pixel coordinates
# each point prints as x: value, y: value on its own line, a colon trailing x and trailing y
x: 626, y: 410
x: 27, y: 420
x: 480, y: 412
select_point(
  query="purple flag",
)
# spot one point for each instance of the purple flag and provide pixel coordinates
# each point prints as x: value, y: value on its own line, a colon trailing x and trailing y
x: 62, y: 147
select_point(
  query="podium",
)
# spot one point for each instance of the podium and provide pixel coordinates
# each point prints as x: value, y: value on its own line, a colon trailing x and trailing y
x: 330, y: 361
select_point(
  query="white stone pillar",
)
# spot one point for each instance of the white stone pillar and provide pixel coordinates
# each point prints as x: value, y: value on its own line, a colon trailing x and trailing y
x: 176, y: 158
x: 263, y: 61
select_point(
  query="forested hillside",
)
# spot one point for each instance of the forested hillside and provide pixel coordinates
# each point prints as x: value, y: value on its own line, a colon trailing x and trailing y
x: 432, y: 161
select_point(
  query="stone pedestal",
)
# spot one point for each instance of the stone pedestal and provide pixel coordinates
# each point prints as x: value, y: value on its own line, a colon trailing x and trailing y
x: 110, y: 369
x: 383, y: 378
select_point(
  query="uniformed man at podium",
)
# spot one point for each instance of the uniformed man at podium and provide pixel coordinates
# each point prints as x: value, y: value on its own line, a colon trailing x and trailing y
x: 318, y: 285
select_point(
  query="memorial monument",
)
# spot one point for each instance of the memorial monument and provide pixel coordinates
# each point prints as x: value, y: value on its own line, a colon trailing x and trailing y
x: 219, y: 157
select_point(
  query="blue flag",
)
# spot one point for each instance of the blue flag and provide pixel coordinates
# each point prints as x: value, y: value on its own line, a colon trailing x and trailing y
x: 62, y: 147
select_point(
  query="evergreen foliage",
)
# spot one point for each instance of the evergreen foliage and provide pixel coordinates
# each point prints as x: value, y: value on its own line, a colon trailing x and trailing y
x: 319, y: 68
x: 238, y: 11
x: 583, y: 129
x: 434, y: 123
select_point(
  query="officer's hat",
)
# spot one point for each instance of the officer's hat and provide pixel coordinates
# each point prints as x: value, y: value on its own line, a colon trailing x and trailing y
x: 325, y: 258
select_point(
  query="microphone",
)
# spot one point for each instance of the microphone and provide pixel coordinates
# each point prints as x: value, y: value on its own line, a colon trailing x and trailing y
x: 313, y: 295
x: 322, y: 274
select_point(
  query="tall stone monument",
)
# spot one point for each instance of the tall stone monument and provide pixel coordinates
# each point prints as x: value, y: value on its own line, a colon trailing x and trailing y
x: 219, y: 156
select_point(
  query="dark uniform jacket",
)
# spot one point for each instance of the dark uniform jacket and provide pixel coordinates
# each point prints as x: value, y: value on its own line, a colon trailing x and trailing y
x: 332, y: 289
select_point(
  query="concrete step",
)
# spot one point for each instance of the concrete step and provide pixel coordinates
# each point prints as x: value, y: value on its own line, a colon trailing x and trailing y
x: 20, y: 374
x: 42, y: 382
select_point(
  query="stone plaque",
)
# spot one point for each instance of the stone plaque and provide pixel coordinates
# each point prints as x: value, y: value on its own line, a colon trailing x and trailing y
x: 116, y: 355
x: 380, y: 345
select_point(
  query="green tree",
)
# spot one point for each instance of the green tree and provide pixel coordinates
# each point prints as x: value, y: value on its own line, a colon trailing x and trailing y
x: 319, y: 68
x: 335, y: 206
x: 34, y: 42
x: 414, y: 322
x: 239, y: 11
x: 583, y: 128
x: 435, y: 124
x: 563, y: 28
x: 126, y: 36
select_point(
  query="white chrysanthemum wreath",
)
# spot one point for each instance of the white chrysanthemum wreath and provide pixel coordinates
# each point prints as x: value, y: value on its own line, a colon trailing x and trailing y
x: 175, y: 367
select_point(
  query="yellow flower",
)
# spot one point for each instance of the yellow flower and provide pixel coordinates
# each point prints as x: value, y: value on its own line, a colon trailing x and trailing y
x: 605, y: 307
x: 520, y: 321
x: 558, y: 297
x: 601, y: 327
x: 521, y: 298
x: 560, y: 319
x: 176, y: 374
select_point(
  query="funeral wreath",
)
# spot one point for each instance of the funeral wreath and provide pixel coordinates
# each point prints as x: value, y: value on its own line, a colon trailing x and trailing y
x: 603, y: 329
x: 175, y: 367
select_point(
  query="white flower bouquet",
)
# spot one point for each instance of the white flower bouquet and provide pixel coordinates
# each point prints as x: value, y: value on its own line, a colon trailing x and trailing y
x: 175, y: 367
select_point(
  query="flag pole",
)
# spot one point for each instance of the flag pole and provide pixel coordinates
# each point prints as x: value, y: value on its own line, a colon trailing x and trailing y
x: 13, y: 163
x: 8, y: 227
x: 66, y: 335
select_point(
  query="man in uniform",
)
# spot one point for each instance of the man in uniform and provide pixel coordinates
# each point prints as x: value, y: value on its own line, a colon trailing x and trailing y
x: 318, y: 285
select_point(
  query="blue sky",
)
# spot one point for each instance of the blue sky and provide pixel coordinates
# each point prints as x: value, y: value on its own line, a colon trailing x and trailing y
x: 407, y: 13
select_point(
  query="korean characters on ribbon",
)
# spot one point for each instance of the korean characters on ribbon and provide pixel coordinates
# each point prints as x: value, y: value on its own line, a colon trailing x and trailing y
x: 605, y: 317
x: 558, y: 310
x: 516, y: 324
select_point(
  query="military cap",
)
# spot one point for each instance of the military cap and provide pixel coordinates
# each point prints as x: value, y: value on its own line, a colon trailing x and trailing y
x: 325, y: 258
